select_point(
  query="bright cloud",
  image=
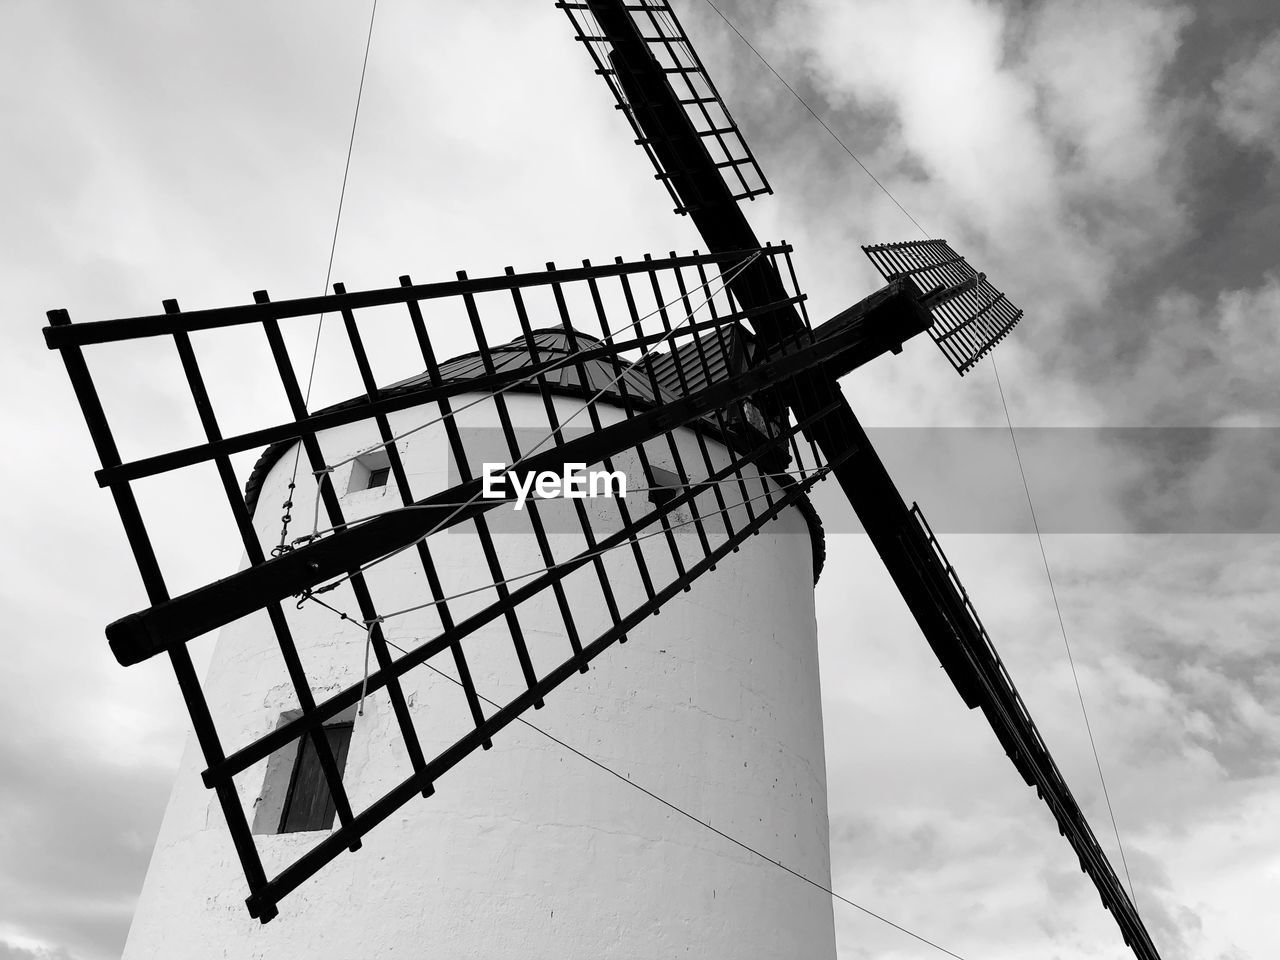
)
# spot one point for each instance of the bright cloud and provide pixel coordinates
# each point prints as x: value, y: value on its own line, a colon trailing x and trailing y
x: 1249, y: 91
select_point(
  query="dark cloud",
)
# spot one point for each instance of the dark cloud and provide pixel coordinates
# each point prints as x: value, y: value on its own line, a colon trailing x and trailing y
x: 82, y: 827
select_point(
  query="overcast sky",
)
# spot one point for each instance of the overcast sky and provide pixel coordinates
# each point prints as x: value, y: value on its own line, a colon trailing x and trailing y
x: 1112, y: 166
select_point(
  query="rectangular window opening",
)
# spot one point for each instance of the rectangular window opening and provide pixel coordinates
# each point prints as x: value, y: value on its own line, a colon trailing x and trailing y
x: 372, y: 471
x: 308, y: 805
x: 664, y: 486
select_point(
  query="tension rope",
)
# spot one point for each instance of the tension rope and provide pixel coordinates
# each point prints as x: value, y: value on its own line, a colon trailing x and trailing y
x: 1012, y: 437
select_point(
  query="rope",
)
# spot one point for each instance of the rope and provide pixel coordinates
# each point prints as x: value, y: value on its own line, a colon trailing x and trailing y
x: 1062, y: 627
x: 813, y: 113
x: 315, y: 514
x: 368, y: 642
x: 328, y: 273
x: 703, y: 823
x: 1012, y: 436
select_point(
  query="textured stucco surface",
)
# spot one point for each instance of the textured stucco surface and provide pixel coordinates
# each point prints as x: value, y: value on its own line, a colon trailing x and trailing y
x: 526, y: 850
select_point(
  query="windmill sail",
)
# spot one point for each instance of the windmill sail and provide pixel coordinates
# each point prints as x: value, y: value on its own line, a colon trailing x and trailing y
x: 682, y: 80
x: 637, y: 380
x: 971, y: 316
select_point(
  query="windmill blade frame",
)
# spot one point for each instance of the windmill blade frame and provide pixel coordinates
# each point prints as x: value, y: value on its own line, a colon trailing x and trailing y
x: 971, y: 316
x: 726, y: 503
x: 687, y: 83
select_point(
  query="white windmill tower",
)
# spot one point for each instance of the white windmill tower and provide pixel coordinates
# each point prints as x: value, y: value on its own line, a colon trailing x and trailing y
x: 430, y: 614
x: 529, y: 850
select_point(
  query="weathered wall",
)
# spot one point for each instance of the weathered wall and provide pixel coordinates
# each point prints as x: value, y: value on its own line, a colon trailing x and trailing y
x: 527, y: 851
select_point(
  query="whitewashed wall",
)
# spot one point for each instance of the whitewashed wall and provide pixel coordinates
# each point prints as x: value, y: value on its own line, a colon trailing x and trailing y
x: 527, y: 851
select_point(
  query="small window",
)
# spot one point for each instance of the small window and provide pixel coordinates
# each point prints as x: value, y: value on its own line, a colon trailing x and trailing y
x: 309, y: 805
x: 664, y: 486
x: 370, y: 472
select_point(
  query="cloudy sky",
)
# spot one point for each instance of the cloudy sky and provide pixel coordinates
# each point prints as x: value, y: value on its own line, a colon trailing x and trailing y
x: 1112, y: 166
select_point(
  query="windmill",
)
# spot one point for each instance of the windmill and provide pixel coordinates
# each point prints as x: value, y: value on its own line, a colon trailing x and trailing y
x: 724, y: 381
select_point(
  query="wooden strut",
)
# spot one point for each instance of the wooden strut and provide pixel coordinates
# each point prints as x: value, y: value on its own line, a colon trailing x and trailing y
x: 929, y: 592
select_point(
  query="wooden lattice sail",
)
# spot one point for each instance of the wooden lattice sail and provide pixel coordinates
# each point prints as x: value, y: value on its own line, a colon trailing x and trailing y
x: 686, y: 84
x: 673, y: 369
x: 970, y: 315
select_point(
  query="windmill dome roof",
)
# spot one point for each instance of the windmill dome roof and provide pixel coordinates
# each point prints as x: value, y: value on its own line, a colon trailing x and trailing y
x: 551, y: 344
